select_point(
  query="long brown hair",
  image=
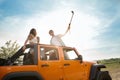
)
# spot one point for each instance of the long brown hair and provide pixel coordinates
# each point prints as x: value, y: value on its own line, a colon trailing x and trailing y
x: 33, y: 31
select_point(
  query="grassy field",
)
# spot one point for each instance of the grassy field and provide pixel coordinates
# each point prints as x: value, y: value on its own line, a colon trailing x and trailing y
x: 113, y: 66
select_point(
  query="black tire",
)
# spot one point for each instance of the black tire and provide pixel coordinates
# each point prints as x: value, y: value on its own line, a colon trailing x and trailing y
x: 103, y: 75
x: 24, y: 78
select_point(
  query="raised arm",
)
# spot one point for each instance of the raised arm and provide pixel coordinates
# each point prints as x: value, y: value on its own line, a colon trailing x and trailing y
x: 67, y: 30
x: 69, y: 24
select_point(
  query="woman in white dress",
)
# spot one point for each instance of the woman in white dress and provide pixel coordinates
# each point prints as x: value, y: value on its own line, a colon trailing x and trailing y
x: 32, y: 39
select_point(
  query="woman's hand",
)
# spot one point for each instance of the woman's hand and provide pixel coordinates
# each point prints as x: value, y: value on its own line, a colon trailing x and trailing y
x: 24, y: 47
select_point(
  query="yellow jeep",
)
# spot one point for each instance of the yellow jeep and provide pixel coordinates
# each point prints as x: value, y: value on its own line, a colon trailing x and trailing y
x: 50, y: 63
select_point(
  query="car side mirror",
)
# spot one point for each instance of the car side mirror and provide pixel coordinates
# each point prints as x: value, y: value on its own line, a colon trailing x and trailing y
x: 80, y: 58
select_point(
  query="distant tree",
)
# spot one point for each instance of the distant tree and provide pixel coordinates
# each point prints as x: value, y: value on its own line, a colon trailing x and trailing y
x: 8, y: 49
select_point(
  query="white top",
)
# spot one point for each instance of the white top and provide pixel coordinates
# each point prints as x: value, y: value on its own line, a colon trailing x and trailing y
x: 34, y: 40
x: 56, y: 40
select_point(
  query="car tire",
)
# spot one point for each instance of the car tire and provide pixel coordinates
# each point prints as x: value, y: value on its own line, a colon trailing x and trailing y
x: 24, y: 78
x: 103, y: 75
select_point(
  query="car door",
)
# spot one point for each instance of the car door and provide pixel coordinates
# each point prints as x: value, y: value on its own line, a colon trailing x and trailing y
x: 50, y: 66
x: 73, y: 68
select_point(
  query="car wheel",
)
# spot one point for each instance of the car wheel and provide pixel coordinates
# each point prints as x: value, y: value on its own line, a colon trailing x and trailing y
x: 103, y: 75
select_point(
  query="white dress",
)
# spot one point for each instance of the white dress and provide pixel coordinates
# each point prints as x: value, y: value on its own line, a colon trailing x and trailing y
x: 33, y: 41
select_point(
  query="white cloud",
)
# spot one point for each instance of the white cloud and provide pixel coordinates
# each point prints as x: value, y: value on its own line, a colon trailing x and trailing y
x: 82, y: 28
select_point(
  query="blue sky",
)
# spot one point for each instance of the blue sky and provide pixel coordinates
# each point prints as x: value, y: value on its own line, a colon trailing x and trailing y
x: 94, y: 30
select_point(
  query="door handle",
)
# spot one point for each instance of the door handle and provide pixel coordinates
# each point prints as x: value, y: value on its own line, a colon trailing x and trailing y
x: 67, y: 64
x: 44, y: 65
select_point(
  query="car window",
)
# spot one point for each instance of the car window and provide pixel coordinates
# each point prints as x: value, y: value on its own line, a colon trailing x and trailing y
x: 70, y: 54
x: 48, y: 53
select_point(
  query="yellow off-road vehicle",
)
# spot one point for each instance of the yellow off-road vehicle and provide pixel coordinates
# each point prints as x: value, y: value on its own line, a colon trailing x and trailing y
x: 50, y: 63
